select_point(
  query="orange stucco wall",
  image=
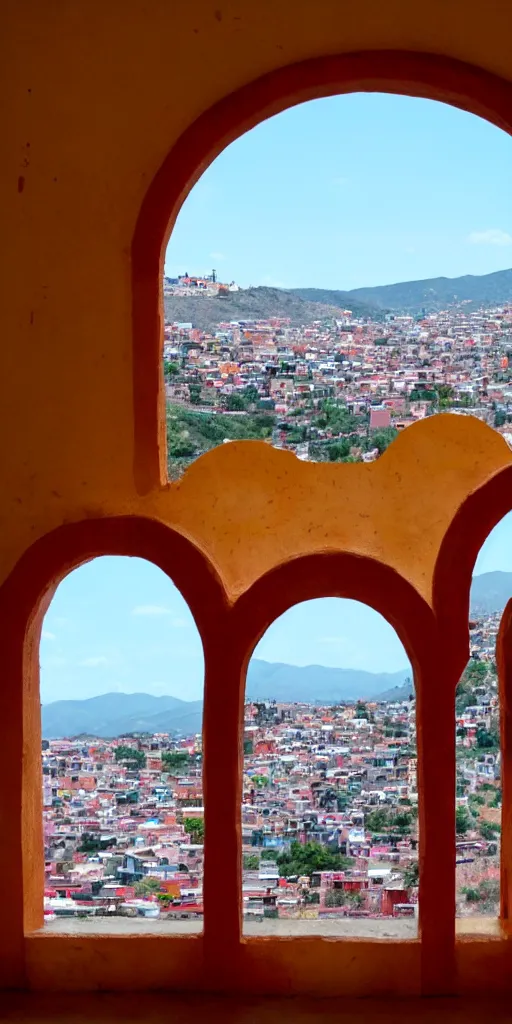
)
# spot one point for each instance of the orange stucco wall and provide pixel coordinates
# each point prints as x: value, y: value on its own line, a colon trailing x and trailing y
x: 101, y: 141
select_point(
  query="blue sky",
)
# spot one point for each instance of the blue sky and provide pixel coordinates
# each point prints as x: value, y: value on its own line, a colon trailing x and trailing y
x: 120, y: 624
x: 339, y: 193
x: 352, y: 191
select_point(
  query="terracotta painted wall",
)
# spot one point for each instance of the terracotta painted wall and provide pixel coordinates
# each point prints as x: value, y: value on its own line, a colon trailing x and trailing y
x: 98, y: 105
x: 94, y: 97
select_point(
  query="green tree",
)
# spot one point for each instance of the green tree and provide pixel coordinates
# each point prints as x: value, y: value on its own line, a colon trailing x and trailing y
x: 339, y: 450
x: 401, y: 822
x: 267, y: 855
x: 235, y: 402
x: 377, y: 820
x: 382, y: 438
x: 260, y: 781
x: 195, y: 829
x: 146, y: 886
x: 250, y: 862
x: 304, y: 859
x: 462, y: 821
x: 170, y: 369
x: 177, y: 762
x: 412, y: 875
x: 195, y: 394
x: 251, y: 395
x: 335, y: 897
x: 354, y: 899
x: 444, y: 395
x: 487, y: 739
x: 361, y: 710
x: 474, y: 675
x: 489, y: 830
x: 130, y: 754
x: 89, y: 843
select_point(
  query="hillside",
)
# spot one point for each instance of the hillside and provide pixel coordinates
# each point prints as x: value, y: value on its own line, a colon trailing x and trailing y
x: 413, y: 296
x: 490, y: 592
x: 113, y: 714
x: 333, y: 297
x: 316, y: 682
x: 256, y: 303
x: 440, y: 292
x: 398, y: 692
x: 303, y: 305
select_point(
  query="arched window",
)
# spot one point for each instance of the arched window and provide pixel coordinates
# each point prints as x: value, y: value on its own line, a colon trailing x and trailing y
x: 274, y: 330
x: 330, y: 797
x: 122, y: 701
x: 480, y: 702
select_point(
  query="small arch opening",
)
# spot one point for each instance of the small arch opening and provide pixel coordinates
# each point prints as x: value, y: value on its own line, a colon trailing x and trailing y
x: 330, y: 796
x: 479, y: 754
x: 122, y: 700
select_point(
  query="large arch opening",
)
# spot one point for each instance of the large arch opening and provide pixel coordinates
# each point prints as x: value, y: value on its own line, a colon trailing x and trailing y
x: 411, y: 74
x: 300, y: 337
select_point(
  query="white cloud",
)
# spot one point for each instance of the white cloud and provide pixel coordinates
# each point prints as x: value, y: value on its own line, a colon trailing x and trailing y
x: 46, y: 635
x: 151, y: 609
x: 94, y: 662
x: 493, y: 236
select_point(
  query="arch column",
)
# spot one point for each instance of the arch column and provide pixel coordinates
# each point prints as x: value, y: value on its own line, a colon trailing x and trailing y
x: 222, y: 783
x: 435, y: 730
x: 504, y: 663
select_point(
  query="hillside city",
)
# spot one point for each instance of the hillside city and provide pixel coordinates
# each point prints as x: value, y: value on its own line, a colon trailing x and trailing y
x: 336, y: 389
x: 329, y: 816
x: 330, y: 792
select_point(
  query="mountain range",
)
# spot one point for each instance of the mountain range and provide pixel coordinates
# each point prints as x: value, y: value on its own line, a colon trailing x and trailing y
x: 490, y: 592
x: 303, y: 305
x: 115, y: 714
x: 414, y: 296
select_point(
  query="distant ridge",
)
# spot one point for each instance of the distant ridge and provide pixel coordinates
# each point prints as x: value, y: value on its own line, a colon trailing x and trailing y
x: 310, y: 683
x: 490, y: 592
x: 115, y: 714
x: 303, y: 305
x: 432, y: 294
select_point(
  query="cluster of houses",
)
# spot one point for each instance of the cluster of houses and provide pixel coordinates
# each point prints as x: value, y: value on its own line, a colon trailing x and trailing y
x: 393, y: 370
x: 187, y: 286
x: 123, y: 827
x: 110, y: 824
